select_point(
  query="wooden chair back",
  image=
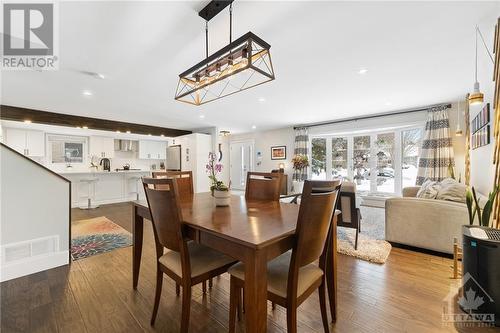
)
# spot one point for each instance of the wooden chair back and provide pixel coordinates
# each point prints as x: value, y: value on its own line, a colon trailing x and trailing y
x: 166, y: 215
x: 319, y: 199
x: 347, y: 205
x: 184, y: 181
x: 263, y: 186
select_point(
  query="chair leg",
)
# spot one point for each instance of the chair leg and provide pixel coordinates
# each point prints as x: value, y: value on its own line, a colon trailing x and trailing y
x: 243, y: 300
x: 204, y: 286
x: 210, y: 283
x: 186, y: 305
x: 322, y: 305
x: 159, y: 282
x: 233, y: 303
x: 177, y: 289
x: 356, y: 242
x: 291, y: 319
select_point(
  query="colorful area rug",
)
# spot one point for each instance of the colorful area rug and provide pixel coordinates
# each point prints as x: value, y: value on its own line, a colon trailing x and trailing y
x: 95, y: 236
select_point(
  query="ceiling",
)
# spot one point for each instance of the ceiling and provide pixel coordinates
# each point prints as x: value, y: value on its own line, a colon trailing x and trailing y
x: 416, y: 54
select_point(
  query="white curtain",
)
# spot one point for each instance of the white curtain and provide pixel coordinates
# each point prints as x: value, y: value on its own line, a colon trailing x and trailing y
x: 436, y: 155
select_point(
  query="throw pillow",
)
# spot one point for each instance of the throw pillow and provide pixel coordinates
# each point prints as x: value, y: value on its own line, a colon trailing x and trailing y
x: 429, y: 190
x: 451, y: 190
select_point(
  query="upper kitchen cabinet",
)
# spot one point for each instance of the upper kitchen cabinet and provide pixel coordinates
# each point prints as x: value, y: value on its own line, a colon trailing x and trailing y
x: 27, y: 142
x: 152, y: 150
x: 101, y: 146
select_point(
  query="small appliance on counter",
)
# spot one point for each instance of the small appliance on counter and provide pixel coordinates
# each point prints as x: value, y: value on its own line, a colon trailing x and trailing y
x: 481, y: 271
x: 126, y: 166
x: 106, y: 164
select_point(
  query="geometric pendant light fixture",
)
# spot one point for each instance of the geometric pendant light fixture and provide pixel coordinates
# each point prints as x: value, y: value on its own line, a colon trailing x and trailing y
x: 240, y: 65
x: 477, y: 97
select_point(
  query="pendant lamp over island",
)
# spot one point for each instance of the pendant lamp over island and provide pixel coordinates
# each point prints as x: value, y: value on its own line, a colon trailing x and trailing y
x: 242, y: 64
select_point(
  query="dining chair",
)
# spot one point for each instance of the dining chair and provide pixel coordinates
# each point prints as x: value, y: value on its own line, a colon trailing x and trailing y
x: 350, y: 215
x: 263, y: 186
x: 186, y: 262
x: 293, y: 276
x: 184, y: 181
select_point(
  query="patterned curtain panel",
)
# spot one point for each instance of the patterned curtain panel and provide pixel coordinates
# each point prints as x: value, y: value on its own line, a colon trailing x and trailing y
x: 301, y: 148
x: 437, y: 147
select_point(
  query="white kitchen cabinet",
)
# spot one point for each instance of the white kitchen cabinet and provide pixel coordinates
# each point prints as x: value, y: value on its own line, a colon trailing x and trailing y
x: 152, y: 150
x: 27, y: 142
x: 101, y: 147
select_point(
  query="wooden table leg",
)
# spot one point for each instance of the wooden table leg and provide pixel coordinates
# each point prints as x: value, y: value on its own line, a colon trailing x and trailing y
x: 331, y: 268
x: 256, y: 291
x: 137, y: 231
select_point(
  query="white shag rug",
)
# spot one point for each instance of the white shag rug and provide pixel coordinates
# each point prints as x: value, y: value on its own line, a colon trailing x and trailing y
x: 371, y: 244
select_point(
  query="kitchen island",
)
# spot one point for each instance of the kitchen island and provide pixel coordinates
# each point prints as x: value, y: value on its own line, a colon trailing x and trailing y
x: 105, y: 187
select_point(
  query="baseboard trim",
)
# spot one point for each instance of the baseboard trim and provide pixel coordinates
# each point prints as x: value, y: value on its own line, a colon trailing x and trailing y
x: 421, y: 250
x: 33, y: 265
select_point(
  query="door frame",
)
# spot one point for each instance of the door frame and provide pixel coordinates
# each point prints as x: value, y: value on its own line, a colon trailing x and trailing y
x: 251, y: 142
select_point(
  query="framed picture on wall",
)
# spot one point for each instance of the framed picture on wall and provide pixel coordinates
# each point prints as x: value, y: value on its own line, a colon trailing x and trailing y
x: 278, y: 153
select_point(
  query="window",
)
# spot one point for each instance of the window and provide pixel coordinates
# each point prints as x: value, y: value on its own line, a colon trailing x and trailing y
x: 67, y: 149
x: 361, y: 162
x: 318, y: 160
x: 385, y: 149
x: 380, y: 162
x: 339, y: 158
x: 410, y: 145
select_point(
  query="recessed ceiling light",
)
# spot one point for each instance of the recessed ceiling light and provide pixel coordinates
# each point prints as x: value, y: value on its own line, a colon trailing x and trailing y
x: 202, y: 116
x: 118, y: 132
x: 254, y: 127
x: 84, y: 127
x: 128, y: 132
x: 362, y: 71
x: 388, y: 103
x: 261, y: 99
x: 78, y: 127
x: 162, y: 135
x: 87, y: 93
x: 27, y: 121
x: 149, y: 134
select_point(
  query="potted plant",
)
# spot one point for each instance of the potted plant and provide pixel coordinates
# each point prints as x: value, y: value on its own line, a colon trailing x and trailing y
x: 299, y: 162
x: 474, y: 208
x: 220, y: 191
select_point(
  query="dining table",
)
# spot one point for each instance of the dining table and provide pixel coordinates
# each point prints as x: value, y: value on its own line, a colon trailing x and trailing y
x: 252, y: 232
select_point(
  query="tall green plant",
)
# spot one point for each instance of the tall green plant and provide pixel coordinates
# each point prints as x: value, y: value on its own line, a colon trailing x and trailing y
x: 474, y: 209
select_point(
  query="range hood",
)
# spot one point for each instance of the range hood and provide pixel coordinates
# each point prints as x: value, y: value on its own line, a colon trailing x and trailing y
x: 125, y: 145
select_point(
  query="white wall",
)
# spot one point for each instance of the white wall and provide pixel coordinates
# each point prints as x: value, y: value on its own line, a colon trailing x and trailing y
x: 263, y: 143
x: 34, y: 205
x: 482, y: 168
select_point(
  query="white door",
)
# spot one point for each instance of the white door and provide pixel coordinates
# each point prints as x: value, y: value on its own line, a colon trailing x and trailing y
x: 241, y: 161
x: 35, y: 143
x: 16, y: 139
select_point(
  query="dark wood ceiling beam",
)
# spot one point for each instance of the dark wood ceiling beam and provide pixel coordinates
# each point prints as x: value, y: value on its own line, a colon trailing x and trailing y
x: 15, y: 113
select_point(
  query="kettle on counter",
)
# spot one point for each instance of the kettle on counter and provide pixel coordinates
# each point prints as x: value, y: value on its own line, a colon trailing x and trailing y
x: 106, y: 164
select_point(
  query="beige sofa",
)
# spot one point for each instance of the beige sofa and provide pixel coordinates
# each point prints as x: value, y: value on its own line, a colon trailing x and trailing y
x: 424, y: 223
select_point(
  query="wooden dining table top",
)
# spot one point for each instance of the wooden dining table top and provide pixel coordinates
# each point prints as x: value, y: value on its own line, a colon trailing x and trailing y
x: 250, y: 223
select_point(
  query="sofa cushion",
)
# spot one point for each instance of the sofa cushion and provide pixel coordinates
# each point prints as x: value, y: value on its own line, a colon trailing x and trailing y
x: 429, y: 190
x: 451, y: 190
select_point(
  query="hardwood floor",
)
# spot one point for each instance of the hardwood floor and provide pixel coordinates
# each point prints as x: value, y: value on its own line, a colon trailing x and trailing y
x: 95, y: 295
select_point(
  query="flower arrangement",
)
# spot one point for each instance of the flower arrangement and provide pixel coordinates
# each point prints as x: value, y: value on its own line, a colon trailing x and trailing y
x: 300, y: 162
x: 213, y: 169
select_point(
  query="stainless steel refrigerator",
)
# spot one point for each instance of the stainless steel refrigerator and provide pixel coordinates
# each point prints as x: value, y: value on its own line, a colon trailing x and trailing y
x: 174, y: 158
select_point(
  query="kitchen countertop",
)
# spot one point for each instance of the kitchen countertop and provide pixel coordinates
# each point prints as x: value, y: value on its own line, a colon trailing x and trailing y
x: 101, y: 172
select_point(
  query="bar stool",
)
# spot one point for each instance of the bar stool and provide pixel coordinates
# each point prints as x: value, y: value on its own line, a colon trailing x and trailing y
x: 91, y: 192
x: 135, y: 179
